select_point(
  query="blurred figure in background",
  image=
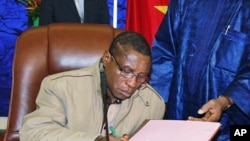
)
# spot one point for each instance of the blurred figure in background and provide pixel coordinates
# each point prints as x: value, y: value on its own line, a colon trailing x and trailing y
x: 81, y: 11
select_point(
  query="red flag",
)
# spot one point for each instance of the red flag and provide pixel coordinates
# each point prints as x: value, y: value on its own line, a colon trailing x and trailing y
x: 145, y: 16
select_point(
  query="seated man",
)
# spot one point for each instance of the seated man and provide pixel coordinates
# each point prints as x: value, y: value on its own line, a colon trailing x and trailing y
x: 82, y: 105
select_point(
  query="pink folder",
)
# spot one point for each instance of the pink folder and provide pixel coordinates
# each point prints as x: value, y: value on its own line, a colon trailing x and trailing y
x: 176, y: 130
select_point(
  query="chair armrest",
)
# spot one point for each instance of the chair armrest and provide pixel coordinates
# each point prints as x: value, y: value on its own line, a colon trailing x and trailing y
x: 2, y: 136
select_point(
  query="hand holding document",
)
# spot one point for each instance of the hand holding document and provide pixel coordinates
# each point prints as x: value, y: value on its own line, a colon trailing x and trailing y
x: 124, y: 137
x: 176, y: 130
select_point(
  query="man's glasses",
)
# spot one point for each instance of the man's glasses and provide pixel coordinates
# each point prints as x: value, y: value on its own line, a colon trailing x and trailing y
x: 139, y: 77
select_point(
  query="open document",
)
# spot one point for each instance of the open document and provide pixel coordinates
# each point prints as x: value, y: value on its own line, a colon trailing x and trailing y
x: 176, y: 130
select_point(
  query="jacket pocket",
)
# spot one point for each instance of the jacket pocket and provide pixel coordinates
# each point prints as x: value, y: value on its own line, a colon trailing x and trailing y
x: 230, y: 49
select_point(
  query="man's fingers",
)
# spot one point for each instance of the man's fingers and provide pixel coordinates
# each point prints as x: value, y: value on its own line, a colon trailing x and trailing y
x: 200, y: 111
x: 125, y: 136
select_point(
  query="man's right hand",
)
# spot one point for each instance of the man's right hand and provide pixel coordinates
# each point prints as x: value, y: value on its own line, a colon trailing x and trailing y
x: 125, y: 137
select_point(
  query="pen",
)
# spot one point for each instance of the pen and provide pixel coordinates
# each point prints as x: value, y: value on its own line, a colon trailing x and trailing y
x: 113, y: 131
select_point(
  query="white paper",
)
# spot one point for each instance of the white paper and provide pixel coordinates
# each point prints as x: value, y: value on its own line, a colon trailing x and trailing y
x: 176, y: 130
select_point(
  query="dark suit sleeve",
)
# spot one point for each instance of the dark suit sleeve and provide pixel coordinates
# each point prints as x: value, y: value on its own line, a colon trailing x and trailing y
x: 105, y: 12
x: 46, y: 12
x: 96, y: 11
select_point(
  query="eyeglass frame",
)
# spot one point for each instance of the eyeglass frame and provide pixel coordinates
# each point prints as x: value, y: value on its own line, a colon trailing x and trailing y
x: 129, y: 75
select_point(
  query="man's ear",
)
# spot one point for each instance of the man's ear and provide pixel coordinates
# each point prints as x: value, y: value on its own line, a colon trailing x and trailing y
x: 106, y: 58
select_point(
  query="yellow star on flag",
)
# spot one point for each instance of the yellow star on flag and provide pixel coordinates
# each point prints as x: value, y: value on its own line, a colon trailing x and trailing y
x: 162, y: 9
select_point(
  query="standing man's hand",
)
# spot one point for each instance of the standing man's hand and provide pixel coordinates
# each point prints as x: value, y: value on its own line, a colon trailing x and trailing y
x: 213, y: 109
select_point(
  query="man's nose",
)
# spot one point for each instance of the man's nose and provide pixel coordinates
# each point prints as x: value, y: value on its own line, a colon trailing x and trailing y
x: 132, y: 82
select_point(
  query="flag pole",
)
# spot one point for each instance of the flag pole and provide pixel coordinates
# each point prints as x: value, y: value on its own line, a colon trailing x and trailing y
x: 115, y: 14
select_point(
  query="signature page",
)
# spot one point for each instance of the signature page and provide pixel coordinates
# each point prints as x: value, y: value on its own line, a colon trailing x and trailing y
x: 176, y: 130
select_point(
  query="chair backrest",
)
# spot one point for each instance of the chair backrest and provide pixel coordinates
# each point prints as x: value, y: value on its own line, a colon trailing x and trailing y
x: 46, y: 50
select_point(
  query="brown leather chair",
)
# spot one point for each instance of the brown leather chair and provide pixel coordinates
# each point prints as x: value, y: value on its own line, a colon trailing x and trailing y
x: 46, y: 50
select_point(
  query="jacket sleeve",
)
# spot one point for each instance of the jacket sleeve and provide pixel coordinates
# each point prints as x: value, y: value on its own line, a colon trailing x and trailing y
x: 239, y: 88
x: 48, y: 122
x: 92, y: 15
x: 163, y: 51
x: 46, y: 12
x: 239, y: 91
x: 105, y: 12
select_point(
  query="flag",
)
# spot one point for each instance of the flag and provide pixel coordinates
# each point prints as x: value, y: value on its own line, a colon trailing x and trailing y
x: 13, y: 21
x: 145, y: 16
x: 117, y: 13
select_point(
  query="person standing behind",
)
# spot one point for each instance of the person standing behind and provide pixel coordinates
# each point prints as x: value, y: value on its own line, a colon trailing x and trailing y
x: 71, y: 106
x: 201, y: 55
x: 80, y: 11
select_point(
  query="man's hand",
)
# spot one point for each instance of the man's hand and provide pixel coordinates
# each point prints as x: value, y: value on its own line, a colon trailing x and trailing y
x: 213, y: 109
x: 125, y: 137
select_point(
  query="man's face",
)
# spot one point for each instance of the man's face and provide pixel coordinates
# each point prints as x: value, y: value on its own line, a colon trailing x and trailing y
x: 125, y: 72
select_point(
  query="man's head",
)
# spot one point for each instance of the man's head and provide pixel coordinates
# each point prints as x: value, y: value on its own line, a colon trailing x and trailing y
x: 127, y: 64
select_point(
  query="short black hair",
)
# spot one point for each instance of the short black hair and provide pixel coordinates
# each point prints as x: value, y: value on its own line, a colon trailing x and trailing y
x: 131, y: 39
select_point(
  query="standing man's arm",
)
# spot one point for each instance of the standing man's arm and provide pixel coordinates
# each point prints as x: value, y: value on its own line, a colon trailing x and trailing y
x: 46, y: 12
x: 104, y: 12
x: 164, y: 50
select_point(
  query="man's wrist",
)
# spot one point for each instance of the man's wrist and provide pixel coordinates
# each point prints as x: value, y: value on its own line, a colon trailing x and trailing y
x: 229, y: 102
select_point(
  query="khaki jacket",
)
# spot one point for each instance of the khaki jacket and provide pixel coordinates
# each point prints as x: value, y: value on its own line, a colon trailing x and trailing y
x: 70, y: 108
